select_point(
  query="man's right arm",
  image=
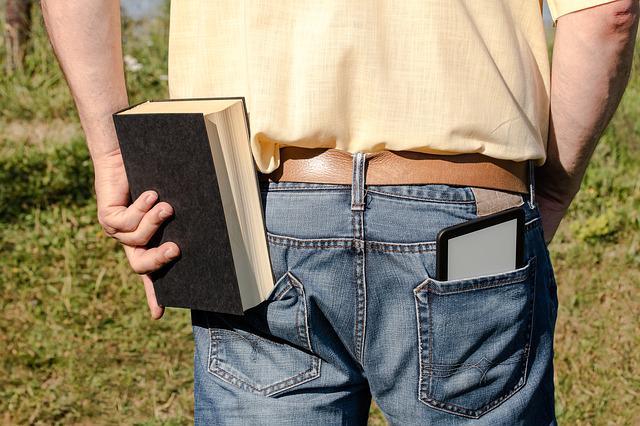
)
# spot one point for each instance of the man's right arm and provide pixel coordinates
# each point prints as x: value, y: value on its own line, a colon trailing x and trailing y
x: 86, y: 38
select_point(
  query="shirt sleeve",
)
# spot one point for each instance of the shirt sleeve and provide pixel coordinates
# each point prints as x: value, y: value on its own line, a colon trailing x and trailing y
x: 562, y: 7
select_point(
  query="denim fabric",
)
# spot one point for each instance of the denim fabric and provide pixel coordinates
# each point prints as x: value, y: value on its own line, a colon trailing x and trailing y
x: 356, y: 312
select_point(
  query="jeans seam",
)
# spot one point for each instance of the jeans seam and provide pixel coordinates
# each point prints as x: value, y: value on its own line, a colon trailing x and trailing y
x: 305, y: 332
x: 311, y: 243
x: 429, y: 200
x: 378, y: 246
x: 420, y: 247
x: 361, y: 295
x: 499, y: 283
x: 349, y: 243
x: 420, y: 348
x: 430, y: 341
x: 342, y: 188
x: 282, y: 292
x: 358, y: 205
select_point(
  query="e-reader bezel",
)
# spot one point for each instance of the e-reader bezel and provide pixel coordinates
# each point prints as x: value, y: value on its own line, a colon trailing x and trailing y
x: 442, y: 240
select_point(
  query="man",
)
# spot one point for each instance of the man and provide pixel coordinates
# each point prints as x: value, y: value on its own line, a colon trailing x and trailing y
x: 375, y: 125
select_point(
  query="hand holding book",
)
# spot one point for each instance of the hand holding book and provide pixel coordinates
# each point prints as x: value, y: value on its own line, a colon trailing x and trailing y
x: 196, y: 155
x: 133, y: 224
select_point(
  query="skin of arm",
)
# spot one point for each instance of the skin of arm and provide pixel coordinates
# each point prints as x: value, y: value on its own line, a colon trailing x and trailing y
x: 86, y: 39
x: 592, y: 56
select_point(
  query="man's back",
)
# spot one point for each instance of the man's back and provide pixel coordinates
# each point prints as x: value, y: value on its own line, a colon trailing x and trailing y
x: 432, y: 76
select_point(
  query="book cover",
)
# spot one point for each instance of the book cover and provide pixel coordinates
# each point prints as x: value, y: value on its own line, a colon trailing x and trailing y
x: 180, y: 155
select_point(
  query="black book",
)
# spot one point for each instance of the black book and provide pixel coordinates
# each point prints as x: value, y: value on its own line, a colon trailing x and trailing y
x: 195, y: 153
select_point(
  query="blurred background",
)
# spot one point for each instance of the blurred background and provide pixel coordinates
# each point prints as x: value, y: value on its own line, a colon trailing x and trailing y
x: 76, y: 341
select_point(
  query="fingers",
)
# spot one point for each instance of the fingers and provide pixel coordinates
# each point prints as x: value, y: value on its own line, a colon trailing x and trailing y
x: 144, y: 261
x: 134, y: 226
x: 115, y: 219
x: 156, y: 310
x: 147, y: 226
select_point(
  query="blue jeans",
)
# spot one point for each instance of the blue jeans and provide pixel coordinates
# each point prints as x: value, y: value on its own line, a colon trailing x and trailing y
x: 356, y: 312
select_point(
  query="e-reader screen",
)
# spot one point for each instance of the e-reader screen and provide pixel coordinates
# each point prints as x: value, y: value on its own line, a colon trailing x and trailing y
x: 485, y: 246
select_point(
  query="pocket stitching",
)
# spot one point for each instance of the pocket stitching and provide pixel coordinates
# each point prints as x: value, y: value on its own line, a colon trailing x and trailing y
x: 441, y: 372
x: 269, y: 390
x: 303, y: 333
x: 453, y: 408
x: 282, y: 385
x: 463, y: 364
x: 284, y: 291
x: 523, y: 273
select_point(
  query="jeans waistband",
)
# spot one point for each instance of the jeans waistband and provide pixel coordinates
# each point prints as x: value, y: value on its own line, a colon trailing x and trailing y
x: 328, y: 165
x: 358, y: 182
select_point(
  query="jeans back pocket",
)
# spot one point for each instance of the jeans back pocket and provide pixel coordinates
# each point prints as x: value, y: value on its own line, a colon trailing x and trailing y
x: 267, y: 350
x: 474, y: 339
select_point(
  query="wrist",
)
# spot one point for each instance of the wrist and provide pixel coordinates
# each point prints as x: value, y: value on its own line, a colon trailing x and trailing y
x: 108, y: 171
x: 101, y: 136
x: 557, y: 184
x: 105, y: 160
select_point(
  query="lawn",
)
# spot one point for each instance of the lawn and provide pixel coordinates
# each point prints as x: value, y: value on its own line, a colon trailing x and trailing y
x: 76, y: 341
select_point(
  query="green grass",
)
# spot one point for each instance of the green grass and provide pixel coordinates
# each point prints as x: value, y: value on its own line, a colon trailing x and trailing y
x: 36, y: 178
x: 76, y: 341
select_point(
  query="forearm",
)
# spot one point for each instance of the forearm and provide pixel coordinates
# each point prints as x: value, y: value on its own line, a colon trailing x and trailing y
x: 86, y: 38
x: 592, y: 57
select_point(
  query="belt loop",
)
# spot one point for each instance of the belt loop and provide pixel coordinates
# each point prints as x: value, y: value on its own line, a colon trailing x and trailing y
x: 532, y: 184
x: 357, y: 181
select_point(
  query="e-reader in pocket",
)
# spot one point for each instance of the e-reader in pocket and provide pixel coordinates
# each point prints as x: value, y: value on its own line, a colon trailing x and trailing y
x: 474, y: 339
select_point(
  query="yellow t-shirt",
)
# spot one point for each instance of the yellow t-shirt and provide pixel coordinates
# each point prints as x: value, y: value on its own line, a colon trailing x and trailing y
x: 438, y: 76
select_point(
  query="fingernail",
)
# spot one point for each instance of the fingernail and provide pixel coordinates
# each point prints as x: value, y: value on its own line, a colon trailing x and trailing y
x: 163, y: 214
x: 151, y: 198
x: 170, y: 252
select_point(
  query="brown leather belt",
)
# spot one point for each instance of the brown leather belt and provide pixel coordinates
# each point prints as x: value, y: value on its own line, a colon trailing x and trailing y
x: 328, y: 165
